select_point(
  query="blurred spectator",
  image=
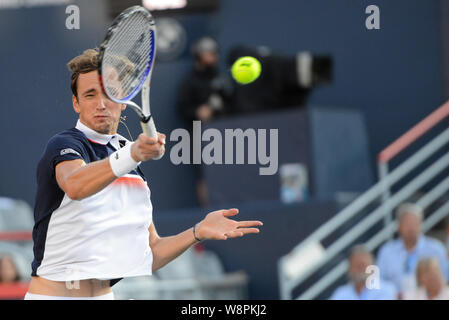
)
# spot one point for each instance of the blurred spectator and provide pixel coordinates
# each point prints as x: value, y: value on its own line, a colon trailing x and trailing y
x: 12, y: 285
x: 397, y: 259
x: 359, y: 259
x: 430, y: 280
x: 203, y: 94
x: 8, y: 270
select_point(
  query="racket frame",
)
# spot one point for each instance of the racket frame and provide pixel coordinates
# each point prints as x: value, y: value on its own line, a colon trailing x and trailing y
x: 144, y: 113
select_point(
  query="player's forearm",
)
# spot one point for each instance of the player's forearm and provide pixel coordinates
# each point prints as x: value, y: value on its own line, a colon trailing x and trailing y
x: 89, y: 179
x: 80, y: 181
x: 168, y: 248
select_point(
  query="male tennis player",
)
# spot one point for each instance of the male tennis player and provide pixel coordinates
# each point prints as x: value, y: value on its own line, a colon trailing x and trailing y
x: 93, y: 213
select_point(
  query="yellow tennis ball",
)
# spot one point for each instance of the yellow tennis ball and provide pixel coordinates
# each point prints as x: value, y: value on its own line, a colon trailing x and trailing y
x: 246, y: 69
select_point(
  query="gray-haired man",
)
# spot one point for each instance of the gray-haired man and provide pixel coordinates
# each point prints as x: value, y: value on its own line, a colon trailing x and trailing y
x: 397, y: 259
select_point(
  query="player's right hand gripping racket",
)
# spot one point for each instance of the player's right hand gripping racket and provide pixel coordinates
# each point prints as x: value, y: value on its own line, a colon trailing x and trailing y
x: 126, y: 60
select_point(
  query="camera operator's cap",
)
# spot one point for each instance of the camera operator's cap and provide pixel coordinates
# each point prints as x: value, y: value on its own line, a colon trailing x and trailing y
x: 205, y: 44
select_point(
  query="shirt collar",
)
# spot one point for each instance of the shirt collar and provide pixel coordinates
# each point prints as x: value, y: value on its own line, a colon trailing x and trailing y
x: 99, y: 138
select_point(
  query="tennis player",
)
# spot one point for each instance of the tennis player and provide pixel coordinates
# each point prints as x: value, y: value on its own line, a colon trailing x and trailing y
x: 93, y: 212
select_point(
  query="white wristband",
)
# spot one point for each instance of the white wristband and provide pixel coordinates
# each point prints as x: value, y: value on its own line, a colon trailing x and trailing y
x: 122, y: 162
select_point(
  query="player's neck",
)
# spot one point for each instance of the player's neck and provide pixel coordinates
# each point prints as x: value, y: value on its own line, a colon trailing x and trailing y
x: 111, y: 132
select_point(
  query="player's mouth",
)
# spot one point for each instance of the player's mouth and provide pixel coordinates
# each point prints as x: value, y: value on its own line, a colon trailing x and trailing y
x: 101, y: 117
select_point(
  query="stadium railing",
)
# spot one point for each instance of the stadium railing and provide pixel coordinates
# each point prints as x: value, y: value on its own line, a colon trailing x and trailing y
x: 297, y: 267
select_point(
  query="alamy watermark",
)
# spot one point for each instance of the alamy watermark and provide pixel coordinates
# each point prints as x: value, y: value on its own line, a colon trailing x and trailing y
x: 372, y: 22
x: 73, y: 20
x: 373, y: 280
x: 212, y: 153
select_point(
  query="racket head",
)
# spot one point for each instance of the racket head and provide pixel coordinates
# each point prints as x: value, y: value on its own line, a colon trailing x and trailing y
x: 127, y: 54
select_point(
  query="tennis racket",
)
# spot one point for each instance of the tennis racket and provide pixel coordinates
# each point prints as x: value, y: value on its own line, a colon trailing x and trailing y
x: 126, y: 60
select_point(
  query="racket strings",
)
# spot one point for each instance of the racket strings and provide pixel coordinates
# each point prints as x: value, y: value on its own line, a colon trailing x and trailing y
x: 125, y: 66
x: 124, y: 40
x: 128, y: 55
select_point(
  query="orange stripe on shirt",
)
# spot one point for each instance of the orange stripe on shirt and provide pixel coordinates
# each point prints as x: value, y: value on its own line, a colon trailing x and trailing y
x: 95, y: 142
x: 130, y: 181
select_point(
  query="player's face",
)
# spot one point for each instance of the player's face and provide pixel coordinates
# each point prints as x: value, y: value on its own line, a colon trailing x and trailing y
x: 95, y: 109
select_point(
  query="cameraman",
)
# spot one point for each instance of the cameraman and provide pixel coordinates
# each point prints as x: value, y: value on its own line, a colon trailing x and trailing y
x: 202, y: 95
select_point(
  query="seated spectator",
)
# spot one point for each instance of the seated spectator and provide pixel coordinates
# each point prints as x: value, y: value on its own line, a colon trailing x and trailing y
x: 397, y: 259
x: 11, y: 284
x: 357, y: 289
x: 8, y: 270
x: 430, y: 280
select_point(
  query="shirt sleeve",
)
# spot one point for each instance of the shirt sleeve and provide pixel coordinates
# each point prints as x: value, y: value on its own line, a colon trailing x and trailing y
x: 64, y: 148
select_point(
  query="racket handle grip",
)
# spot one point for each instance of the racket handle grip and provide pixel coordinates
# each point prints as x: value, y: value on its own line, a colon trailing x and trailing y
x: 149, y: 129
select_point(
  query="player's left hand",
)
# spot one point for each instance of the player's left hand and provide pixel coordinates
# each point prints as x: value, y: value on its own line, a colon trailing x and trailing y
x: 217, y: 226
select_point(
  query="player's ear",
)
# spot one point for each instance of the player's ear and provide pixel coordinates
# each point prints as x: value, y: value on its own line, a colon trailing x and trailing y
x: 123, y: 106
x: 75, y: 103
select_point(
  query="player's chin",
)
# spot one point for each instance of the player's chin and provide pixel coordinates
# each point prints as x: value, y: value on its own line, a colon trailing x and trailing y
x: 103, y: 124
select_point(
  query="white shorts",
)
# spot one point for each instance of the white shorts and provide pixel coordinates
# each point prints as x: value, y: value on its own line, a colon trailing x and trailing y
x: 32, y: 296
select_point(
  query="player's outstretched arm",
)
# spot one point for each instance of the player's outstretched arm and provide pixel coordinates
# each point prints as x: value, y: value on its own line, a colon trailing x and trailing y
x: 215, y: 226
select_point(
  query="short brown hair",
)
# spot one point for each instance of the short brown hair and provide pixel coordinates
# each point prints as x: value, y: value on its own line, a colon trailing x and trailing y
x: 84, y: 63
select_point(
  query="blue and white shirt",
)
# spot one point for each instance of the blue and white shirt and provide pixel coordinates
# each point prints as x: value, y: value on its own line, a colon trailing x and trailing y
x: 386, y: 291
x: 398, y: 265
x: 104, y: 236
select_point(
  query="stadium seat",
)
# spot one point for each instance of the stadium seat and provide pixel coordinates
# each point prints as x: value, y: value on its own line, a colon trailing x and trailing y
x: 15, y: 215
x: 22, y: 255
x: 196, y: 274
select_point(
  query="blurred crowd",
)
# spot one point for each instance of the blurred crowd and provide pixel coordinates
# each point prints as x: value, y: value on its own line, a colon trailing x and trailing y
x: 412, y: 267
x: 12, y: 285
x: 8, y: 270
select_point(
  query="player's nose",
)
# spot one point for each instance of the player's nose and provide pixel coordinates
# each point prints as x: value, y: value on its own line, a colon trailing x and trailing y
x: 101, y: 105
